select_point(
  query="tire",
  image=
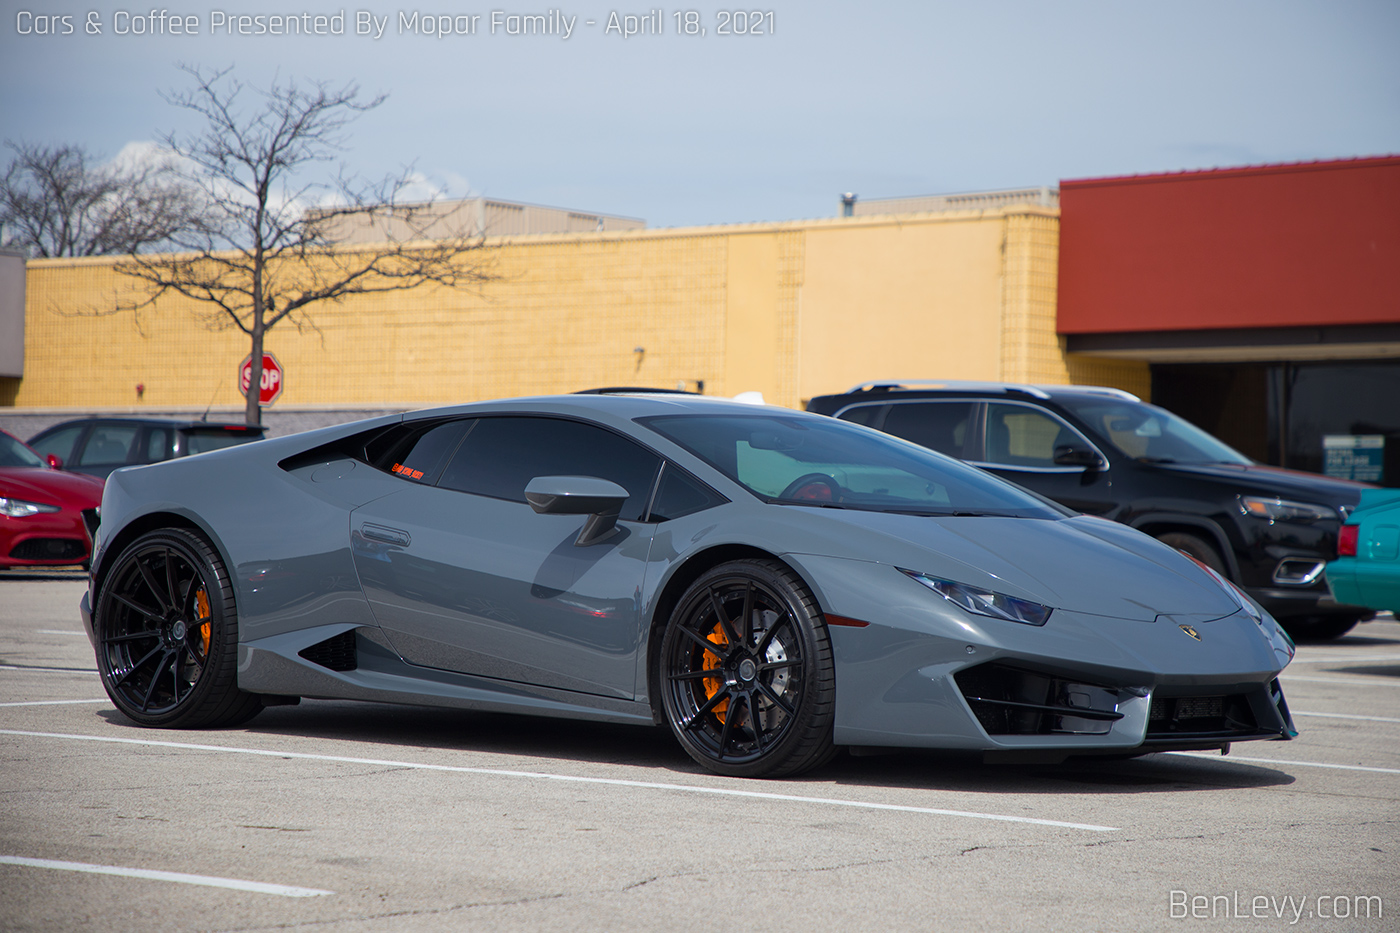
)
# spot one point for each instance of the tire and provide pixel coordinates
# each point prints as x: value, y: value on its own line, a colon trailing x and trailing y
x: 1199, y: 548
x: 1319, y: 628
x: 167, y: 635
x: 746, y: 674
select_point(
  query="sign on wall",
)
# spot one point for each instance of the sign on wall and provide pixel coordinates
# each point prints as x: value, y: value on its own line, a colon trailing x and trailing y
x: 1354, y: 456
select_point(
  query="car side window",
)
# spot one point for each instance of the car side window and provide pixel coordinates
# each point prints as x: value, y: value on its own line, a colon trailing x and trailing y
x: 680, y: 494
x: 108, y: 444
x: 942, y: 426
x: 60, y: 443
x: 417, y: 452
x: 160, y: 444
x: 501, y: 455
x: 1022, y: 436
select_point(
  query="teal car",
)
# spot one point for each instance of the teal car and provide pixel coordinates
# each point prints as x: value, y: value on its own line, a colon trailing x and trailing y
x: 1367, y: 569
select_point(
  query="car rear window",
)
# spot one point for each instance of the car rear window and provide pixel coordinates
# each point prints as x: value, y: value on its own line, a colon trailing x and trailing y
x: 200, y: 440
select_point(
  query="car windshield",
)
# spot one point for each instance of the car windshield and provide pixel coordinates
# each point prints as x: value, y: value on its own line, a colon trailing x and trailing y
x: 801, y: 460
x: 1150, y: 433
x: 15, y: 454
x: 200, y: 441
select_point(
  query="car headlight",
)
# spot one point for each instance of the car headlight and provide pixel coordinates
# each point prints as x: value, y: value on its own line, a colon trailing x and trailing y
x: 18, y: 508
x: 985, y: 602
x: 1284, y: 510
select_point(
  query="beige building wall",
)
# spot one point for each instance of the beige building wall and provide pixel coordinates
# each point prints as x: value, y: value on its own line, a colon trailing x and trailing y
x: 791, y: 310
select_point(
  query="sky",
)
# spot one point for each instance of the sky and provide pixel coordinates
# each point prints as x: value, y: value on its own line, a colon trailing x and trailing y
x: 883, y: 99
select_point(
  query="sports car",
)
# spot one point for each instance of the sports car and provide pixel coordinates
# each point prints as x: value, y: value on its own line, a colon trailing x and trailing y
x: 770, y: 585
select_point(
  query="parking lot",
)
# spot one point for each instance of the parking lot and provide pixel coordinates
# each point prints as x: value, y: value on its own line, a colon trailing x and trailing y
x: 343, y: 816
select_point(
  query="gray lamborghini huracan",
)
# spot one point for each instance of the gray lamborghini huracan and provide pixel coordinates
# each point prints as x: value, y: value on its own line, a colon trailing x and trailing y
x: 769, y: 584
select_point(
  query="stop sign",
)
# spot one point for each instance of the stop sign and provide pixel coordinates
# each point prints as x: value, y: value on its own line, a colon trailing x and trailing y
x: 270, y: 385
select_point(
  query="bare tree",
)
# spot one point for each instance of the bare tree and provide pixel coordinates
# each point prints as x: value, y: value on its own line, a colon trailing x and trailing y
x: 56, y: 201
x: 262, y: 254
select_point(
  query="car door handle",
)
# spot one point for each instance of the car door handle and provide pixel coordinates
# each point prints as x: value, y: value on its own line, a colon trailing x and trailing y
x: 385, y: 534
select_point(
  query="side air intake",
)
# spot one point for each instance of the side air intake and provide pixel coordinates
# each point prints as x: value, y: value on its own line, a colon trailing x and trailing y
x: 336, y: 653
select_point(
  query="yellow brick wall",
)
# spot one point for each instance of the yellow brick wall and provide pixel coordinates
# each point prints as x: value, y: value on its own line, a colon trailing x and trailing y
x: 791, y: 310
x: 900, y: 297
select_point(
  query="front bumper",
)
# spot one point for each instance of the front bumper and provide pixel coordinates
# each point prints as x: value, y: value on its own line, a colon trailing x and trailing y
x: 925, y: 673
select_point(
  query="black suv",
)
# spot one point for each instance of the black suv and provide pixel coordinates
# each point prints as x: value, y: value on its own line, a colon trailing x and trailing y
x: 1105, y: 452
x: 97, y: 446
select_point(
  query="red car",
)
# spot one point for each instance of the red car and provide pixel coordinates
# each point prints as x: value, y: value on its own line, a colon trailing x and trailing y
x: 42, y: 509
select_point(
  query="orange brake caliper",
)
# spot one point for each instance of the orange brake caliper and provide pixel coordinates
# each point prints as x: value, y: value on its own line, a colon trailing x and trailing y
x: 201, y: 601
x: 710, y: 663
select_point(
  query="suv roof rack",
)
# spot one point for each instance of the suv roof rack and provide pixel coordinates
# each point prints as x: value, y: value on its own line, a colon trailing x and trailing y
x: 1039, y: 391
x: 888, y: 384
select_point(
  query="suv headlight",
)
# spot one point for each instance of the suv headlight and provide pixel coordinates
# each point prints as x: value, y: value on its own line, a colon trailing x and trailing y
x: 985, y: 602
x: 18, y: 508
x: 1284, y: 510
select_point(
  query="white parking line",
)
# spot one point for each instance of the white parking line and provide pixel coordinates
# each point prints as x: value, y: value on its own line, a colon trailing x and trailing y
x: 55, y: 702
x: 569, y: 778
x: 1378, y: 657
x: 1327, y: 716
x: 59, y: 631
x: 284, y: 890
x: 48, y: 670
x: 1349, y: 681
x: 1284, y: 761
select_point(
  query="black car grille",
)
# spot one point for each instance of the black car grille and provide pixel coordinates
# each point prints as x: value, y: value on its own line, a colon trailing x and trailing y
x: 1013, y: 701
x: 336, y: 653
x: 50, y: 549
x: 1201, y: 716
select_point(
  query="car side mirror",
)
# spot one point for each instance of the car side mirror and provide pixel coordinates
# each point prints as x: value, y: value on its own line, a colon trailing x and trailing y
x: 601, y: 500
x: 1069, y: 455
x: 55, y: 461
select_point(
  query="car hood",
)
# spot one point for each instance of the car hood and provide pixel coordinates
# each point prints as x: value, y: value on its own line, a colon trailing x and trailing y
x: 1083, y: 564
x: 1276, y: 481
x: 53, y: 487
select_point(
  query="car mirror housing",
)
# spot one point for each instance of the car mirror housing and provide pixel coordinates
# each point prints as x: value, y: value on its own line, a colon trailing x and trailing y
x: 1068, y: 455
x: 55, y: 461
x: 601, y: 500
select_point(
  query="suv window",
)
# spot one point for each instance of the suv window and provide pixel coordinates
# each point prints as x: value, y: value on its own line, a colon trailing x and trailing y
x: 108, y: 444
x: 941, y: 426
x: 1020, y: 436
x: 502, y: 454
x: 60, y: 443
x: 868, y: 415
x: 160, y: 444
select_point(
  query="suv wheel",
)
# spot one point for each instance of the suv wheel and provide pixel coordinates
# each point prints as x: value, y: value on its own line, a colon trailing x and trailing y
x: 1193, y: 546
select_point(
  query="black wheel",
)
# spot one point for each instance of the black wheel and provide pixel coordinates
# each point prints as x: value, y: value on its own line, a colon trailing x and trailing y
x: 746, y: 674
x: 1319, y: 628
x: 167, y: 635
x: 815, y: 487
x: 1199, y: 548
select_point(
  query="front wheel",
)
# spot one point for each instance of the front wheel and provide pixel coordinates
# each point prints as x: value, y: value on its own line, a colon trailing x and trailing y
x: 167, y: 635
x: 746, y: 673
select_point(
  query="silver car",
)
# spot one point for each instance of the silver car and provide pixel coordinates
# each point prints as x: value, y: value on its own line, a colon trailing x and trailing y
x: 770, y: 585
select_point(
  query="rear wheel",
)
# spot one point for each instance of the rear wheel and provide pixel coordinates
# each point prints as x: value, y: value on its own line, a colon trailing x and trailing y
x: 747, y: 678
x: 167, y: 635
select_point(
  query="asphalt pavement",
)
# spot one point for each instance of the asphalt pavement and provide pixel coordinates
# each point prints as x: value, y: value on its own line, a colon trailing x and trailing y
x: 334, y: 816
